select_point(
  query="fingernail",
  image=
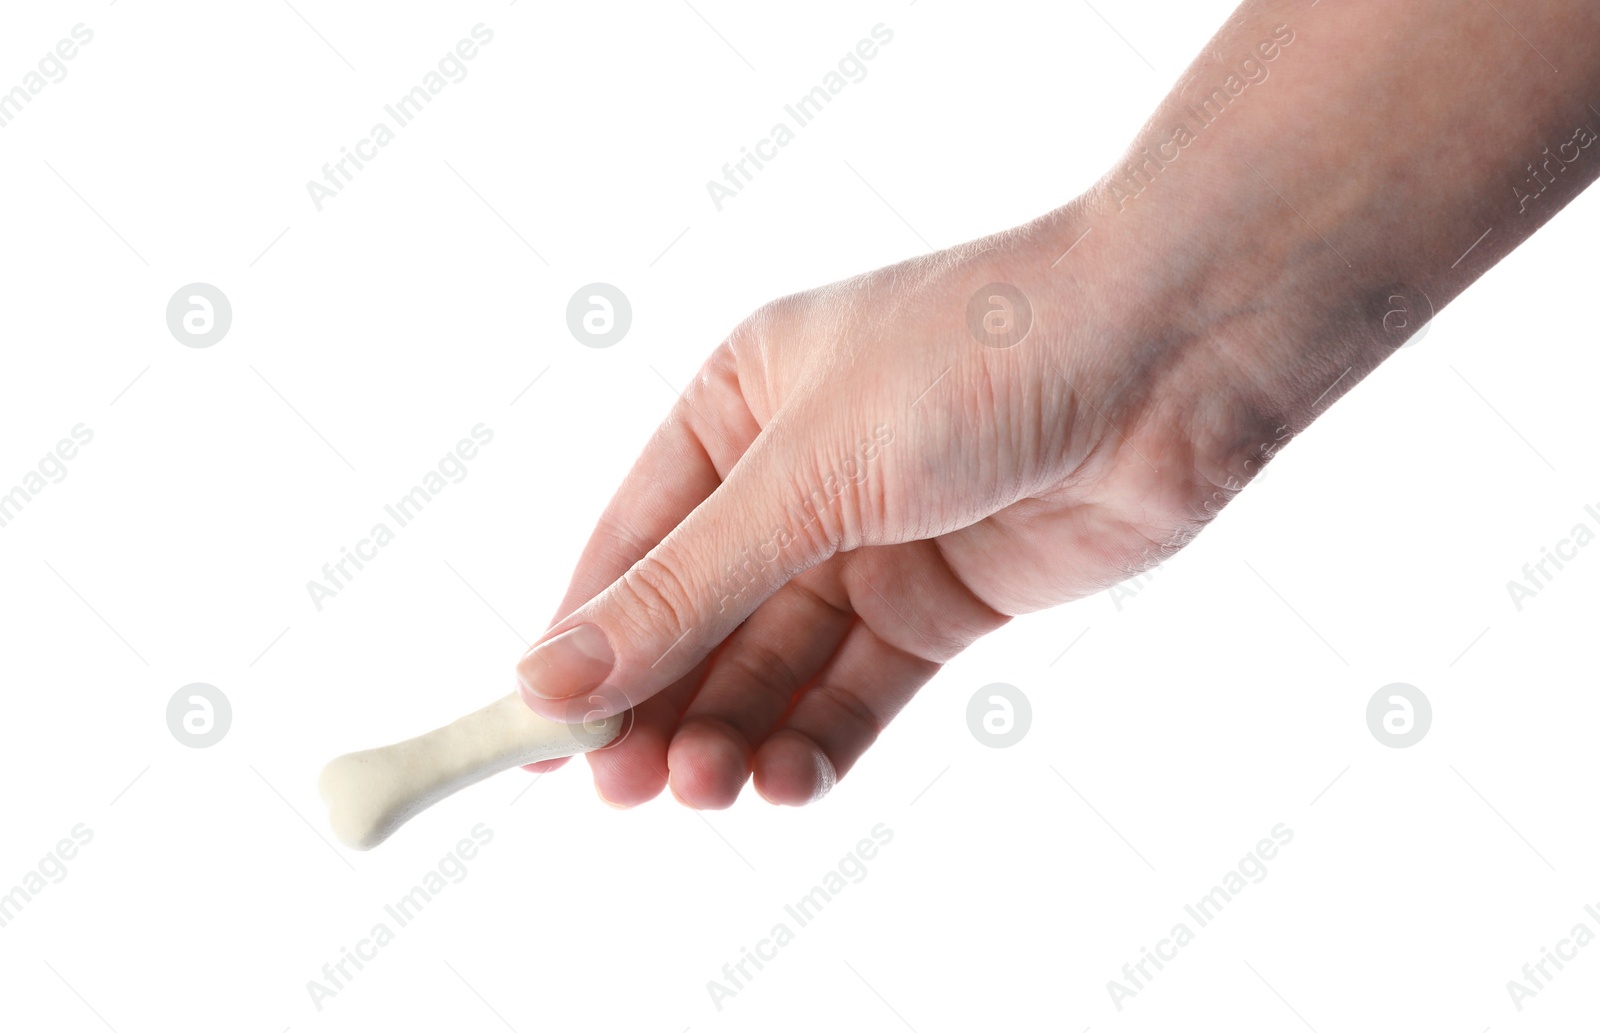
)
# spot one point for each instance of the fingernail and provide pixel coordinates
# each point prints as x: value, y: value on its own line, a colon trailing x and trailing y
x: 572, y: 663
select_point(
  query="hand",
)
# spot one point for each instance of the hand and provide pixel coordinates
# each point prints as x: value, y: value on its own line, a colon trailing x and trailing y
x: 857, y: 485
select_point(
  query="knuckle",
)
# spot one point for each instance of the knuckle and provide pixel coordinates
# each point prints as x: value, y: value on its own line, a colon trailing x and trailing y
x: 851, y: 707
x: 655, y: 595
x: 615, y: 541
x: 719, y: 373
x: 764, y: 668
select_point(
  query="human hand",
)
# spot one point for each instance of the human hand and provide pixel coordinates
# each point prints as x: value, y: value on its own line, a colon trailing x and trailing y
x: 859, y: 483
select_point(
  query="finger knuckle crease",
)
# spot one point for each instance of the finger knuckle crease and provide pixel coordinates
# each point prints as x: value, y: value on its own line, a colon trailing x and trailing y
x: 661, y: 592
x: 853, y: 706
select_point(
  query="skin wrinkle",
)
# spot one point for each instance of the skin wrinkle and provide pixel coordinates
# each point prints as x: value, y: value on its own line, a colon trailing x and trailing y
x: 853, y: 706
x: 993, y: 617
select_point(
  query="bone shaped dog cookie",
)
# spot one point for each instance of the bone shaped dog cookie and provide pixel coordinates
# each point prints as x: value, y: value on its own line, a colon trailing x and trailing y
x: 373, y: 792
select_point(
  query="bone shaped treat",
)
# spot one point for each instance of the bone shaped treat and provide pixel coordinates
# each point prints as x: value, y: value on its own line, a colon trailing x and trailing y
x: 373, y: 792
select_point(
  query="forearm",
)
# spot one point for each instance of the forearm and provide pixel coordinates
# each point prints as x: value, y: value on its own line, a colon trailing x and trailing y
x: 1364, y: 158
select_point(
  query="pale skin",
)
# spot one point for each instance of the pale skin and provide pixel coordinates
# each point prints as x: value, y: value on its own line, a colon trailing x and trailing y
x: 1204, y: 315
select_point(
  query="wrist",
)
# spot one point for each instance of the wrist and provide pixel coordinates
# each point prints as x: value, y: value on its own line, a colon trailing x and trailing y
x: 1200, y: 356
x: 1179, y: 375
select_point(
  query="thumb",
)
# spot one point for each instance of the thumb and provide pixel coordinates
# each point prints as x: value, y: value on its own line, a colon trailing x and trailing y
x: 650, y: 627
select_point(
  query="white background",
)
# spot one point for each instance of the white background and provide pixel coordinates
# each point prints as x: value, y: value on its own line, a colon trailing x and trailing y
x: 1184, y: 722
